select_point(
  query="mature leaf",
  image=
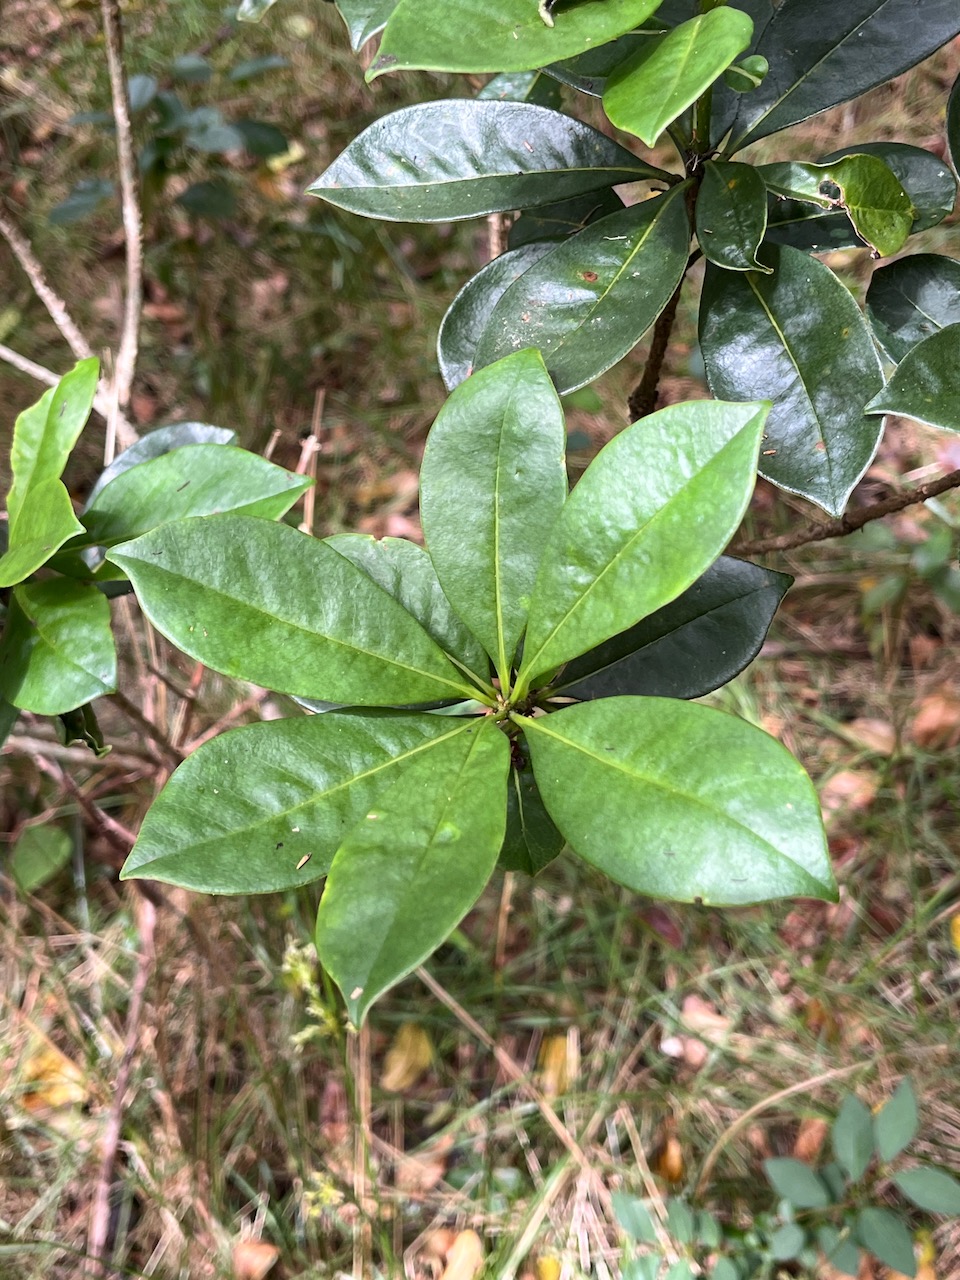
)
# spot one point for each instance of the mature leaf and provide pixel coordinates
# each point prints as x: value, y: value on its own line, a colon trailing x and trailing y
x: 668, y: 73
x: 249, y: 68
x: 531, y: 841
x: 726, y: 97
x: 9, y: 714
x: 953, y: 124
x: 492, y: 484
x: 797, y: 338
x: 589, y: 72
x: 896, y: 1124
x: 565, y: 218
x: 156, y: 443
x: 692, y: 645
x: 853, y: 1137
x: 686, y: 803
x: 406, y: 572
x: 364, y: 18
x: 651, y: 512
x: 732, y: 215
x: 590, y: 299
x: 261, y: 139
x: 473, y: 306
x: 253, y: 10
x: 822, y: 53
x: 933, y: 1190
x: 523, y: 86
x: 885, y: 1235
x: 503, y: 35
x: 788, y: 1242
x: 84, y: 199
x: 39, y: 853
x: 634, y: 1217
x: 460, y: 158
x: 263, y: 602
x: 841, y: 1252
x: 926, y: 384
x: 415, y: 864
x: 194, y: 480
x: 212, y: 199
x: 925, y: 178
x: 41, y: 526
x: 265, y: 807
x: 57, y: 649
x: 912, y: 299
x: 796, y: 1182
x: 806, y: 227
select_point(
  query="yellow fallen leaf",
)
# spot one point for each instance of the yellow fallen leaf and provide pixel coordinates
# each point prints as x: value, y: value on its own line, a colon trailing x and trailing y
x: 669, y: 1163
x: 252, y: 1259
x: 53, y: 1080
x: 955, y: 932
x: 556, y: 1065
x: 407, y: 1058
x: 293, y: 155
x: 465, y: 1259
x: 548, y: 1269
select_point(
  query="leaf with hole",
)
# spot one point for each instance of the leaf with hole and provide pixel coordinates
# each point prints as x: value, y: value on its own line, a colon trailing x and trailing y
x: 926, y: 383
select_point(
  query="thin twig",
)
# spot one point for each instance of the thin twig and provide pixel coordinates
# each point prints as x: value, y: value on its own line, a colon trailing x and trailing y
x: 112, y: 831
x: 851, y: 521
x: 102, y: 401
x: 23, y: 252
x: 153, y: 731
x: 359, y: 1057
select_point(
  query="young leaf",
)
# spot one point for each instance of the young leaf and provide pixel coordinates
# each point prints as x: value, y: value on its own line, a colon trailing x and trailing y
x: 926, y: 384
x: 590, y: 299
x: 653, y: 509
x: 39, y: 853
x: 531, y: 841
x: 853, y: 1137
x: 668, y: 73
x: 933, y: 1190
x: 415, y: 864
x: 883, y: 1233
x: 797, y: 338
x: 687, y: 803
x: 732, y: 215
x: 40, y: 527
x: 822, y: 53
x: 156, y: 443
x: 440, y: 161
x: 689, y: 647
x: 796, y: 1182
x: 262, y: 602
x: 503, y: 35
x: 57, y: 648
x: 265, y: 807
x: 896, y: 1123
x: 492, y: 484
x: 913, y: 298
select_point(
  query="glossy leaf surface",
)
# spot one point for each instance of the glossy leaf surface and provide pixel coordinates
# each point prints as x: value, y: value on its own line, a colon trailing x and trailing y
x: 40, y: 527
x: 265, y: 807
x: 651, y: 512
x: 565, y: 218
x: 822, y: 53
x: 504, y: 35
x: 262, y: 602
x: 798, y: 339
x: 925, y: 178
x: 668, y: 73
x: 156, y: 443
x: 590, y: 299
x: 732, y: 215
x: 415, y: 863
x: 912, y: 299
x: 926, y: 383
x: 364, y: 18
x: 523, y: 86
x: 531, y: 841
x: 692, y: 645
x: 57, y: 649
x: 441, y: 161
x: 492, y: 484
x: 473, y: 306
x: 686, y: 803
x: 589, y: 72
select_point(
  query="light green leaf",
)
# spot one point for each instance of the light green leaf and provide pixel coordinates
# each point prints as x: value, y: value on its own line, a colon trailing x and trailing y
x: 912, y: 299
x: 653, y: 509
x: 796, y: 1182
x: 926, y: 384
x: 896, y: 1124
x: 415, y: 864
x: 57, y: 648
x: 9, y: 714
x: 461, y: 158
x: 668, y: 73
x: 924, y: 176
x: 883, y: 1233
x: 492, y: 484
x: 853, y: 1137
x: 634, y: 1217
x: 503, y: 35
x: 732, y: 215
x: 38, y: 530
x: 265, y: 807
x: 686, y: 803
x: 39, y: 853
x: 787, y: 1242
x: 933, y: 1190
x: 253, y: 10
x: 262, y: 602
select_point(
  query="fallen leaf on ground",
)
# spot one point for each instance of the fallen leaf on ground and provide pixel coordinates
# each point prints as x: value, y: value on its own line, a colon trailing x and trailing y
x: 252, y: 1259
x: 810, y: 1139
x: 936, y: 726
x: 556, y: 1065
x: 955, y: 932
x: 419, y: 1173
x: 465, y: 1259
x: 407, y: 1058
x: 669, y: 1162
x: 875, y: 734
x: 53, y: 1080
x: 548, y: 1269
x: 850, y: 790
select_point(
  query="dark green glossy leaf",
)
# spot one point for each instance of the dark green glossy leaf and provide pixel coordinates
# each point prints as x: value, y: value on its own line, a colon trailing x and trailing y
x: 822, y: 53
x: 504, y: 35
x: 692, y: 645
x: 590, y: 299
x: 590, y: 71
x: 886, y: 1236
x: 81, y: 726
x: 473, y: 306
x: 896, y: 1125
x: 406, y: 572
x: 262, y: 602
x: 668, y: 73
x: 57, y: 649
x: 651, y: 512
x: 38, y: 530
x: 565, y: 218
x: 797, y: 338
x: 686, y: 803
x: 156, y: 443
x: 925, y: 178
x: 796, y: 1182
x: 260, y: 138
x: 265, y: 807
x: 953, y: 124
x: 912, y: 299
x: 523, y: 86
x: 725, y: 98
x: 415, y: 864
x: 732, y: 215
x: 531, y: 841
x: 803, y: 226
x: 39, y: 853
x: 853, y: 1137
x: 212, y: 199
x: 364, y: 18
x: 933, y: 1190
x: 440, y: 161
x: 194, y: 480
x: 492, y: 484
x: 926, y: 384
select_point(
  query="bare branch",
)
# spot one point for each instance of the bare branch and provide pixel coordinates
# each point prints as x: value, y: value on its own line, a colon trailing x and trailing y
x: 23, y: 252
x: 101, y: 401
